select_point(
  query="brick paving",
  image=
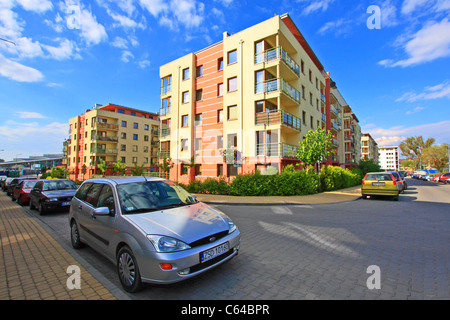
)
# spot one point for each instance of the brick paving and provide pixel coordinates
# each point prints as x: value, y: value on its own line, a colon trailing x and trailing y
x: 33, y: 266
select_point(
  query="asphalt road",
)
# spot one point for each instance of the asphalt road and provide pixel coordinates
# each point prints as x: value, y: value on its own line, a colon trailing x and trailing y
x: 327, y: 251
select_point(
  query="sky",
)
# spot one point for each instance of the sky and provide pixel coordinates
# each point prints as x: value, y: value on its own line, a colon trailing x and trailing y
x: 390, y: 62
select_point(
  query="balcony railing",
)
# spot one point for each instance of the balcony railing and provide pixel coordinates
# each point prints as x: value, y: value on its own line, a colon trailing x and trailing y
x: 278, y: 53
x: 106, y: 138
x: 164, y: 154
x: 165, y: 132
x: 165, y: 110
x: 104, y: 151
x: 324, y: 117
x: 278, y: 117
x: 106, y: 126
x: 279, y: 84
x: 282, y: 150
x: 323, y: 98
x: 165, y: 89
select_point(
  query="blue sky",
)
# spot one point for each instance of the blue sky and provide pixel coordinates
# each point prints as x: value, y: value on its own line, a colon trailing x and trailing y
x: 69, y: 55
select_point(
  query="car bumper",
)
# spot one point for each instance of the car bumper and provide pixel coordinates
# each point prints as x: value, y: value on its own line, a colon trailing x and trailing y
x: 185, y: 264
x: 56, y: 205
x: 375, y: 192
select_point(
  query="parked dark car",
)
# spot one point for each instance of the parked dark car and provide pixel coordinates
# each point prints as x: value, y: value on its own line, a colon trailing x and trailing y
x: 52, y: 194
x: 21, y: 192
x: 14, y: 182
x: 400, y: 181
x: 6, y: 183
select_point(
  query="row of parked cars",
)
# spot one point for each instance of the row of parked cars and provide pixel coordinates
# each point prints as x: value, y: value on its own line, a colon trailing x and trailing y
x: 151, y: 228
x: 434, y: 177
x: 390, y: 183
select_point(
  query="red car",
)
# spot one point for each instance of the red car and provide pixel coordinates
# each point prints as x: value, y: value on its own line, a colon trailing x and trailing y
x: 436, y: 178
x: 445, y: 177
x: 21, y: 192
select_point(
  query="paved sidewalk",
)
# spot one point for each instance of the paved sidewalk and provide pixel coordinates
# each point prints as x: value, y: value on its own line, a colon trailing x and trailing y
x: 343, y: 195
x: 33, y: 266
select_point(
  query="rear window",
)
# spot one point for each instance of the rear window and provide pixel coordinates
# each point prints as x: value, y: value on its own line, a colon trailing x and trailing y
x: 379, y: 177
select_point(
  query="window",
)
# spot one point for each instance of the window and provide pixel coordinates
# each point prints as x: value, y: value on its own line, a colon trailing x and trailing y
x: 304, y: 117
x: 232, y: 56
x: 232, y: 84
x: 198, y: 120
x: 220, y: 64
x: 93, y: 193
x: 232, y: 113
x: 121, y: 111
x: 135, y: 125
x: 123, y: 159
x: 186, y: 74
x: 220, y: 89
x: 185, y: 97
x: 184, y: 169
x: 310, y: 76
x: 198, y: 144
x: 124, y: 124
x: 199, y: 71
x: 135, y: 136
x: 123, y: 147
x: 134, y: 160
x: 220, y: 170
x: 303, y: 92
x: 146, y: 127
x: 312, y: 122
x: 311, y: 98
x: 302, y: 66
x: 184, y: 144
x: 106, y: 199
x: 232, y: 170
x: 219, y: 142
x: 185, y: 121
x: 198, y: 169
x: 199, y: 95
x: 135, y: 148
x: 220, y: 115
x: 232, y: 140
x: 145, y: 138
x: 123, y: 135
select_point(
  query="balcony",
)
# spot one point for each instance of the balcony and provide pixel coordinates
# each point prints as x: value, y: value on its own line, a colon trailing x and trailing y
x: 165, y: 111
x: 99, y: 151
x: 278, y: 53
x: 278, y: 117
x: 105, y: 138
x: 278, y: 85
x: 165, y: 132
x: 324, y: 117
x: 282, y: 150
x: 165, y: 89
x: 106, y: 126
x: 164, y: 154
x: 323, y: 98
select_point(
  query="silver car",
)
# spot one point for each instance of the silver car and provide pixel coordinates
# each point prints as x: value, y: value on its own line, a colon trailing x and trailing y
x: 151, y: 228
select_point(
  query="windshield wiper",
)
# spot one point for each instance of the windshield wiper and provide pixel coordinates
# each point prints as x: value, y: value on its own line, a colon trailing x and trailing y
x: 141, y: 210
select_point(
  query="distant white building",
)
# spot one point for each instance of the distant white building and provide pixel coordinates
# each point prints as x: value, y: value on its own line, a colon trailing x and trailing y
x: 388, y: 158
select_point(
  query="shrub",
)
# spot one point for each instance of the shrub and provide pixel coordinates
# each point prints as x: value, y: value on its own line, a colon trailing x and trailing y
x: 335, y: 178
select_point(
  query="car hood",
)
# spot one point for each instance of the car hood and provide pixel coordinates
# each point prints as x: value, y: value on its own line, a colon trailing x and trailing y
x: 188, y: 224
x: 59, y: 193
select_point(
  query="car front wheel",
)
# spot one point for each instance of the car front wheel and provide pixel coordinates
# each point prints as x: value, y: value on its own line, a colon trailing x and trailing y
x: 128, y: 270
x: 75, y: 236
x: 41, y: 209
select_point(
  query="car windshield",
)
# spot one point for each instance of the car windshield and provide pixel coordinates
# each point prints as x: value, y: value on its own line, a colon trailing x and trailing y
x: 59, y: 185
x: 137, y: 197
x: 380, y: 177
x: 29, y: 184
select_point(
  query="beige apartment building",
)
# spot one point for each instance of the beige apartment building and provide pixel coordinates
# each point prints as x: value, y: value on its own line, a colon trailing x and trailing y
x: 243, y: 104
x: 111, y: 132
x: 369, y: 148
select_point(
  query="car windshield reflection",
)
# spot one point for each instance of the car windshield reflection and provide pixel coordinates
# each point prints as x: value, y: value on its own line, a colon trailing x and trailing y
x: 140, y: 197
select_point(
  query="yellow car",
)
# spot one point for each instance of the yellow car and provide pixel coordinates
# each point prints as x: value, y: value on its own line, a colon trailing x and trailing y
x: 380, y: 184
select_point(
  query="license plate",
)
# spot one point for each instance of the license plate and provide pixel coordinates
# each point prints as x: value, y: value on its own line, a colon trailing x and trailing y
x: 214, y: 252
x: 65, y: 204
x: 378, y: 184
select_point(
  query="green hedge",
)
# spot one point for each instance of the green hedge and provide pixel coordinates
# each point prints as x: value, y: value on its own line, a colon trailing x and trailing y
x: 290, y: 182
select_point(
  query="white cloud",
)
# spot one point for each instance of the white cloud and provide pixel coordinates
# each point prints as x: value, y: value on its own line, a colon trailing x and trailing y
x: 120, y: 43
x: 429, y: 43
x: 393, y: 136
x: 155, y: 7
x: 10, y: 25
x: 415, y: 110
x: 430, y: 93
x: 38, y: 6
x: 67, y: 49
x: 19, y: 72
x: 316, y: 5
x: 409, y: 6
x: 126, y: 56
x: 29, y: 115
x: 91, y: 31
x: 126, y: 22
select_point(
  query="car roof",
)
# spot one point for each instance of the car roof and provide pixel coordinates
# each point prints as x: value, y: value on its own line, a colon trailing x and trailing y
x: 124, y: 180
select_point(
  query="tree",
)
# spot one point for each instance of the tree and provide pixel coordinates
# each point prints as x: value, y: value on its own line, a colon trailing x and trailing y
x: 412, y: 147
x: 137, y: 170
x: 436, y: 156
x: 368, y: 165
x: 316, y: 146
x: 59, y: 173
x: 119, y: 167
x: 166, y: 165
x: 102, y: 166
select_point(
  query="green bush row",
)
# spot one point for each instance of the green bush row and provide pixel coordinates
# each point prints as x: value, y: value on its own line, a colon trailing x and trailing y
x: 289, y: 182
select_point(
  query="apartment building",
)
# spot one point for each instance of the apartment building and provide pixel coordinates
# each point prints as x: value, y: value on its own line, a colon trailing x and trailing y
x: 243, y: 104
x: 389, y: 158
x: 369, y: 148
x: 111, y: 132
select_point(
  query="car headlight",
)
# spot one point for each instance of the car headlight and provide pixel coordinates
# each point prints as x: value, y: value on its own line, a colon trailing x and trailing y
x: 231, y: 226
x: 53, y: 199
x: 167, y: 244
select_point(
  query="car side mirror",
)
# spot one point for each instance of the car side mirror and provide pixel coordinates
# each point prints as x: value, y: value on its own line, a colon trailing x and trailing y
x: 102, y: 211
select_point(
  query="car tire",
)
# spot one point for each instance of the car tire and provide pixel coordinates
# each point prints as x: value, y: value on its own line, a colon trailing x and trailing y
x: 41, y: 209
x: 75, y: 236
x: 19, y: 201
x: 32, y: 207
x: 395, y: 198
x: 128, y: 270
